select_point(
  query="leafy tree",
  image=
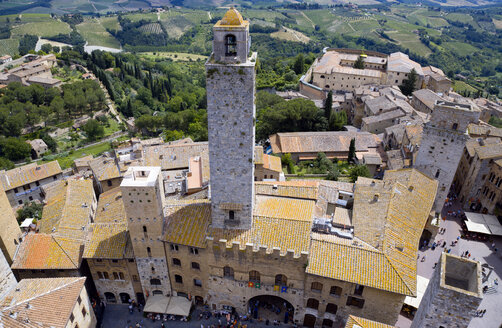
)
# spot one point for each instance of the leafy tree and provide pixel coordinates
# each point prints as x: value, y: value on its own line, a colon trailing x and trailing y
x: 338, y: 121
x: 333, y: 173
x: 408, y: 85
x: 328, y: 105
x: 352, y: 151
x: 93, y: 129
x: 49, y: 141
x: 46, y: 47
x: 299, y: 64
x: 56, y: 49
x: 360, y: 170
x: 171, y: 135
x: 27, y: 43
x: 288, y: 161
x: 359, y: 63
x: 30, y: 210
x: 15, y: 149
x: 5, y: 164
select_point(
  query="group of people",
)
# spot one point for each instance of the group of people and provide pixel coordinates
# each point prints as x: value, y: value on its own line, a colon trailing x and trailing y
x: 133, y: 305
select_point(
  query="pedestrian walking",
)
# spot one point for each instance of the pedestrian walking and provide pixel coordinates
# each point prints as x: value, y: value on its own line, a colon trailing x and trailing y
x: 435, y: 265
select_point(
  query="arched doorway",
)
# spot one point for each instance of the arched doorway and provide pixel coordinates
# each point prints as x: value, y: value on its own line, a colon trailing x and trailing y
x: 140, y: 298
x: 271, y: 307
x: 309, y: 320
x: 425, y: 238
x: 110, y: 297
x: 124, y: 297
x: 327, y: 323
x: 199, y: 300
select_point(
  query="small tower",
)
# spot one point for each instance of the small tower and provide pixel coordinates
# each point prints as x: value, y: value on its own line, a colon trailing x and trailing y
x: 10, y: 232
x: 230, y: 76
x: 453, y: 294
x: 443, y: 141
x: 143, y: 197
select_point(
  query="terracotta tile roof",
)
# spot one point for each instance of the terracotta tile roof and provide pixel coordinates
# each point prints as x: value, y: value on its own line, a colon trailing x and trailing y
x: 489, y: 151
x: 284, y: 208
x: 357, y: 322
x: 314, y: 142
x: 83, y: 161
x: 42, y: 302
x: 305, y: 189
x: 258, y: 155
x: 29, y: 174
x: 69, y: 208
x: 106, y: 241
x: 398, y: 207
x: 111, y: 207
x: 104, y: 168
x: 41, y: 251
x: 476, y: 130
x: 272, y: 163
x: 187, y: 222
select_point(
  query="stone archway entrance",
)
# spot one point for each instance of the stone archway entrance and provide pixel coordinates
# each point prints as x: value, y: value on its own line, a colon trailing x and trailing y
x: 124, y: 298
x: 110, y: 297
x: 270, y: 307
x: 425, y: 238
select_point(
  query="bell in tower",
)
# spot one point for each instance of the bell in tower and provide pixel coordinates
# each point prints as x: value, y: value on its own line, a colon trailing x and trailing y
x: 231, y: 38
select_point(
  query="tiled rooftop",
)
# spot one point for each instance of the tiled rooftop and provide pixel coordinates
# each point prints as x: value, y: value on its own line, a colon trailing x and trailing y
x: 283, y: 208
x: 41, y: 303
x: 357, y: 322
x: 187, y: 222
x: 28, y: 174
x: 104, y: 168
x: 111, y: 207
x: 42, y: 251
x: 68, y: 209
x: 303, y: 189
x: 106, y: 241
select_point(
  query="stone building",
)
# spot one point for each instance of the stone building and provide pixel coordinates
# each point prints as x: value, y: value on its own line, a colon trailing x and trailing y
x: 266, y: 166
x: 38, y: 147
x: 56, y: 251
x: 48, y: 302
x: 436, y: 80
x: 106, y: 173
x: 144, y: 198
x: 306, y: 145
x: 474, y: 169
x: 230, y: 71
x: 10, y: 233
x: 109, y: 253
x: 453, y: 294
x: 23, y: 184
x: 7, y: 279
x: 424, y: 100
x: 443, y: 141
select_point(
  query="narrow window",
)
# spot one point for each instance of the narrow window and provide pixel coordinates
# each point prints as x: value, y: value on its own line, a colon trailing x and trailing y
x: 231, y: 215
x: 149, y: 251
x: 454, y: 126
x: 230, y: 45
x: 228, y: 272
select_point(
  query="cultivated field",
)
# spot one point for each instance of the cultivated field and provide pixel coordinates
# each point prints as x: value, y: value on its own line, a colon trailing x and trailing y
x: 9, y: 47
x: 47, y: 28
x: 111, y: 23
x: 152, y: 28
x: 290, y: 35
x: 96, y: 35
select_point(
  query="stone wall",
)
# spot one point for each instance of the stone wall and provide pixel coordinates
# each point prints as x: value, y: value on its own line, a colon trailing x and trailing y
x: 231, y: 126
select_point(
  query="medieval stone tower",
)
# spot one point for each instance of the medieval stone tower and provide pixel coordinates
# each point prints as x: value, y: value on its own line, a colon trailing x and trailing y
x: 10, y: 232
x: 230, y: 85
x: 443, y: 142
x: 143, y: 197
x: 452, y: 296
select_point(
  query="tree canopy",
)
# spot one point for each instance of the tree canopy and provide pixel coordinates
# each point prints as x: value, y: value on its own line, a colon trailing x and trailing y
x: 409, y: 84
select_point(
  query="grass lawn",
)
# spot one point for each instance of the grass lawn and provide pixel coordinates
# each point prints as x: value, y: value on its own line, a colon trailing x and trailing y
x: 96, y: 35
x: 290, y: 35
x: 175, y: 56
x: 112, y: 128
x: 176, y: 25
x: 47, y: 28
x: 9, y: 46
x: 67, y: 161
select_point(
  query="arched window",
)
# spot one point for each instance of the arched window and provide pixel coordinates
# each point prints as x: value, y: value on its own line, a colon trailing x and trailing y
x: 121, y: 276
x: 331, y: 308
x: 281, y: 280
x: 316, y: 287
x: 105, y: 274
x: 110, y: 297
x: 145, y: 232
x: 228, y: 272
x: 335, y: 291
x: 254, y: 276
x: 230, y: 45
x: 176, y: 262
x: 312, y: 303
x: 197, y: 282
x: 100, y: 275
x: 231, y: 215
x: 195, y: 266
x: 454, y: 126
x: 178, y: 278
x: 437, y: 174
x: 115, y: 276
x: 155, y: 282
x: 149, y: 251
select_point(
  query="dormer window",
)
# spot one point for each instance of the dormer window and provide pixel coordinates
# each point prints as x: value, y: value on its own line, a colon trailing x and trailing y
x: 230, y: 45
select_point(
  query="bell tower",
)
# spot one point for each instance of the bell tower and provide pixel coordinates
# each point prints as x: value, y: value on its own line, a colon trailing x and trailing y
x: 230, y: 84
